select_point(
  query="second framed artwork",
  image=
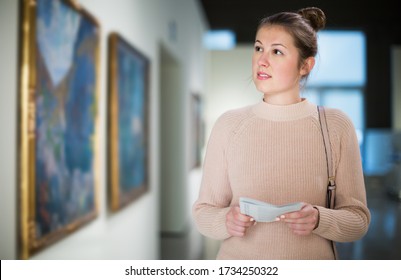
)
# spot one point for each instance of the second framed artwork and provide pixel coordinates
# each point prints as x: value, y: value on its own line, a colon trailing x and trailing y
x: 127, y: 122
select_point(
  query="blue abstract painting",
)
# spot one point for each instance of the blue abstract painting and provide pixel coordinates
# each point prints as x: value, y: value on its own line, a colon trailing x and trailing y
x: 129, y: 84
x: 65, y: 97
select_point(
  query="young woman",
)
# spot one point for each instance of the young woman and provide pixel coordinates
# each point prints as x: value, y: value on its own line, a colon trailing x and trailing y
x: 274, y: 151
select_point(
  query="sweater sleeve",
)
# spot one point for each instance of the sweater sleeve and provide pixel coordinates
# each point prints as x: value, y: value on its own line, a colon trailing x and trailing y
x: 212, y: 205
x: 350, y: 219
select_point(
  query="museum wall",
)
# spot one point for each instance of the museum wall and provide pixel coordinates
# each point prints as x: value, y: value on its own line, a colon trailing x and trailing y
x: 158, y: 29
x: 230, y: 89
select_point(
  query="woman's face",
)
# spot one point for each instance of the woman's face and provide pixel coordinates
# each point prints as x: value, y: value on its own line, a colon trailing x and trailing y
x: 275, y: 68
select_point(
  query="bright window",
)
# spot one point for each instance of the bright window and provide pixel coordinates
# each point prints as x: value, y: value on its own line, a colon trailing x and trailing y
x: 219, y: 40
x: 341, y: 60
x: 339, y: 76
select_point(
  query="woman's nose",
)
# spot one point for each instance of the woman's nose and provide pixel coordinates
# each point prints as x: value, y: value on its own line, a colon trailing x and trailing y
x: 263, y: 60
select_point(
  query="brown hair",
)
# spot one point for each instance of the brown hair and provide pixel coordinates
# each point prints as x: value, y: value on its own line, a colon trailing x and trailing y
x: 302, y: 26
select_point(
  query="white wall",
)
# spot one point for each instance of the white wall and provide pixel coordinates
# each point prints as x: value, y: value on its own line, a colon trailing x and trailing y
x: 8, y: 120
x: 230, y: 82
x: 396, y: 86
x: 133, y: 232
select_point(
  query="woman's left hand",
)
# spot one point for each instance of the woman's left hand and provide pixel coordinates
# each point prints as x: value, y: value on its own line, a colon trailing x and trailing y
x: 302, y: 222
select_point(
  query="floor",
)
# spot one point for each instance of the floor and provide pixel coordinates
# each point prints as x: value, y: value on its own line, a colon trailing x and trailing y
x: 383, y: 239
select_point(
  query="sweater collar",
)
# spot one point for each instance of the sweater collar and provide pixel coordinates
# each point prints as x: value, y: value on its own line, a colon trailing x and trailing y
x: 290, y: 112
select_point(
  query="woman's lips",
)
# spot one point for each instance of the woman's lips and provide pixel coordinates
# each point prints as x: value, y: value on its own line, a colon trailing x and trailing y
x: 263, y: 76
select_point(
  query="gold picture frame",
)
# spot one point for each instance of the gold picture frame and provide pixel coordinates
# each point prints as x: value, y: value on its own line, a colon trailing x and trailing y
x: 58, y: 123
x: 127, y: 122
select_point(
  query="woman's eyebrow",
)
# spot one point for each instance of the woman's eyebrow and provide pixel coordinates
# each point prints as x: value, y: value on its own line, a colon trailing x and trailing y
x: 273, y: 45
x: 278, y: 44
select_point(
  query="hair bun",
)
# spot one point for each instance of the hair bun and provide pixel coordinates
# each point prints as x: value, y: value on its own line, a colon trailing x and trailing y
x: 315, y: 16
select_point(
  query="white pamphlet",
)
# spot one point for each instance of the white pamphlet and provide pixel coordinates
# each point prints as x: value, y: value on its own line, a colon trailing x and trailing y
x: 265, y: 212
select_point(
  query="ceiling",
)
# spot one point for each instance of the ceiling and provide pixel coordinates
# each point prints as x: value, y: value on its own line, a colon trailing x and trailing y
x: 242, y: 16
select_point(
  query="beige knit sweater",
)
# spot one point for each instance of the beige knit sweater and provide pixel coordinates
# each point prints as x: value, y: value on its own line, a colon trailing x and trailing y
x: 276, y: 154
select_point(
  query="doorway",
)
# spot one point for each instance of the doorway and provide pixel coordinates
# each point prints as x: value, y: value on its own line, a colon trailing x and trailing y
x: 173, y: 194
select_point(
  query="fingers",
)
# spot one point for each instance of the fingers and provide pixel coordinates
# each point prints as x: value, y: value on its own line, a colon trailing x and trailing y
x: 302, y: 222
x: 238, y: 223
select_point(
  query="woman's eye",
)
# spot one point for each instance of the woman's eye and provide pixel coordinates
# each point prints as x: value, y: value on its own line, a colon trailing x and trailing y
x: 277, y: 52
x: 258, y: 49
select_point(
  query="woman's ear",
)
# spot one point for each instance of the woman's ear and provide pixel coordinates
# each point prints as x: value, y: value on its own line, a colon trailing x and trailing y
x: 307, y: 66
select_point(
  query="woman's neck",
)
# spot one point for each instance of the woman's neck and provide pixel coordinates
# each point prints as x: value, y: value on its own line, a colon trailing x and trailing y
x: 281, y: 99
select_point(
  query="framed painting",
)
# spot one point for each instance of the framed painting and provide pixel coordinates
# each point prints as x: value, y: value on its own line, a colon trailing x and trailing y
x: 128, y: 122
x: 59, y: 65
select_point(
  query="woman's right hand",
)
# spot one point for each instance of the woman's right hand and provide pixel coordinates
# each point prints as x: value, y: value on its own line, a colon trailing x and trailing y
x: 238, y: 223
